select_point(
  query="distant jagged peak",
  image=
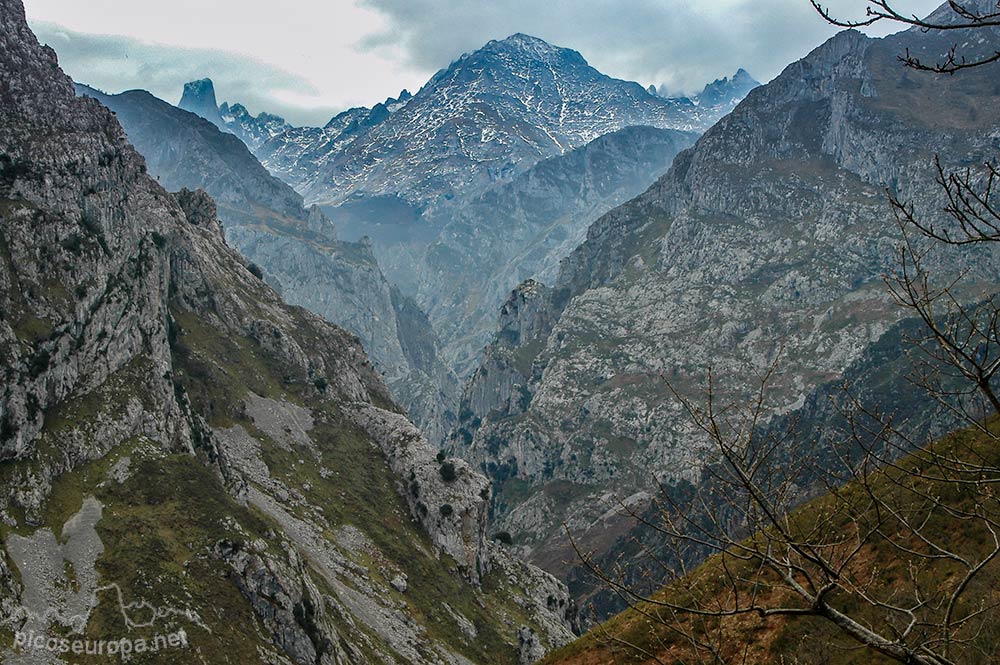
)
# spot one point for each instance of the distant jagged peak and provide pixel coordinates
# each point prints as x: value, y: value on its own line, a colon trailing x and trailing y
x: 394, y: 104
x: 202, y: 89
x: 238, y: 110
x: 404, y: 96
x: 344, y: 118
x: 199, y: 98
x: 525, y: 42
x: 362, y: 117
x: 743, y: 76
x: 727, y: 90
x: 504, y: 65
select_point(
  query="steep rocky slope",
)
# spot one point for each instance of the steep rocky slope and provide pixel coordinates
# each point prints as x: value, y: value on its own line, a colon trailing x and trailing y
x: 522, y: 229
x: 183, y: 451
x: 882, y: 378
x: 297, y: 248
x: 769, y: 236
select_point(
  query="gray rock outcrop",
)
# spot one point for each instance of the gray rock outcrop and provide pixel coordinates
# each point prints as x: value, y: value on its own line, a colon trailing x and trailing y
x: 243, y: 450
x: 296, y: 247
x: 768, y: 238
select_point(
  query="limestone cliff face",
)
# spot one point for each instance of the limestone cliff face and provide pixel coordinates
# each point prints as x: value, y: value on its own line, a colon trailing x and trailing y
x: 199, y: 98
x: 769, y: 236
x: 83, y: 285
x: 488, y: 244
x: 204, y: 448
x: 500, y: 384
x: 880, y: 377
x: 296, y: 247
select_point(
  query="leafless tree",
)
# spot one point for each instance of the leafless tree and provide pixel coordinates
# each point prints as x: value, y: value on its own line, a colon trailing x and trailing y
x: 931, y: 518
x: 929, y: 515
x: 960, y: 347
x: 963, y: 16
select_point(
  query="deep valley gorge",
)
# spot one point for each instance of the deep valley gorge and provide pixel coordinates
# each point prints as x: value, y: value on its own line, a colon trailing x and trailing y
x: 530, y: 364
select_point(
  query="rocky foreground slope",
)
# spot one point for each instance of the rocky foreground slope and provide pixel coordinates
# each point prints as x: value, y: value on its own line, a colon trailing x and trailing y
x: 297, y: 248
x: 768, y: 237
x: 181, y: 451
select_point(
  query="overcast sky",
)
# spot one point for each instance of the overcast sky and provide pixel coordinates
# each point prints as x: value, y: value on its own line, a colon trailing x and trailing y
x: 306, y: 59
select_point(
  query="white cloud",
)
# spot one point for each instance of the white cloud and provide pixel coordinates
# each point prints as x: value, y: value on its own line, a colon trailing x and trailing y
x: 303, y: 56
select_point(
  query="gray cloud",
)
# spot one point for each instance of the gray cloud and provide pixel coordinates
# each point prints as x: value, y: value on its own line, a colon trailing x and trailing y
x: 114, y: 63
x: 676, y: 43
x: 316, y: 57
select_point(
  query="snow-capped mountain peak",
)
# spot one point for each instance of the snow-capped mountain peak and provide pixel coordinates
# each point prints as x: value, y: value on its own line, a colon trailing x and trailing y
x: 523, y: 45
x: 488, y: 116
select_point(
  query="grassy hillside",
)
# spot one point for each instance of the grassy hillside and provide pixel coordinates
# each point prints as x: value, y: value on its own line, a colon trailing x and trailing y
x: 166, y: 514
x: 652, y: 633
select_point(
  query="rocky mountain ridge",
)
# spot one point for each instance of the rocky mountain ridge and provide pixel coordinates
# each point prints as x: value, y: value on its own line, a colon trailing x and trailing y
x: 188, y: 433
x: 487, y: 117
x: 523, y: 229
x: 253, y: 130
x: 296, y: 153
x: 769, y: 236
x: 297, y: 248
